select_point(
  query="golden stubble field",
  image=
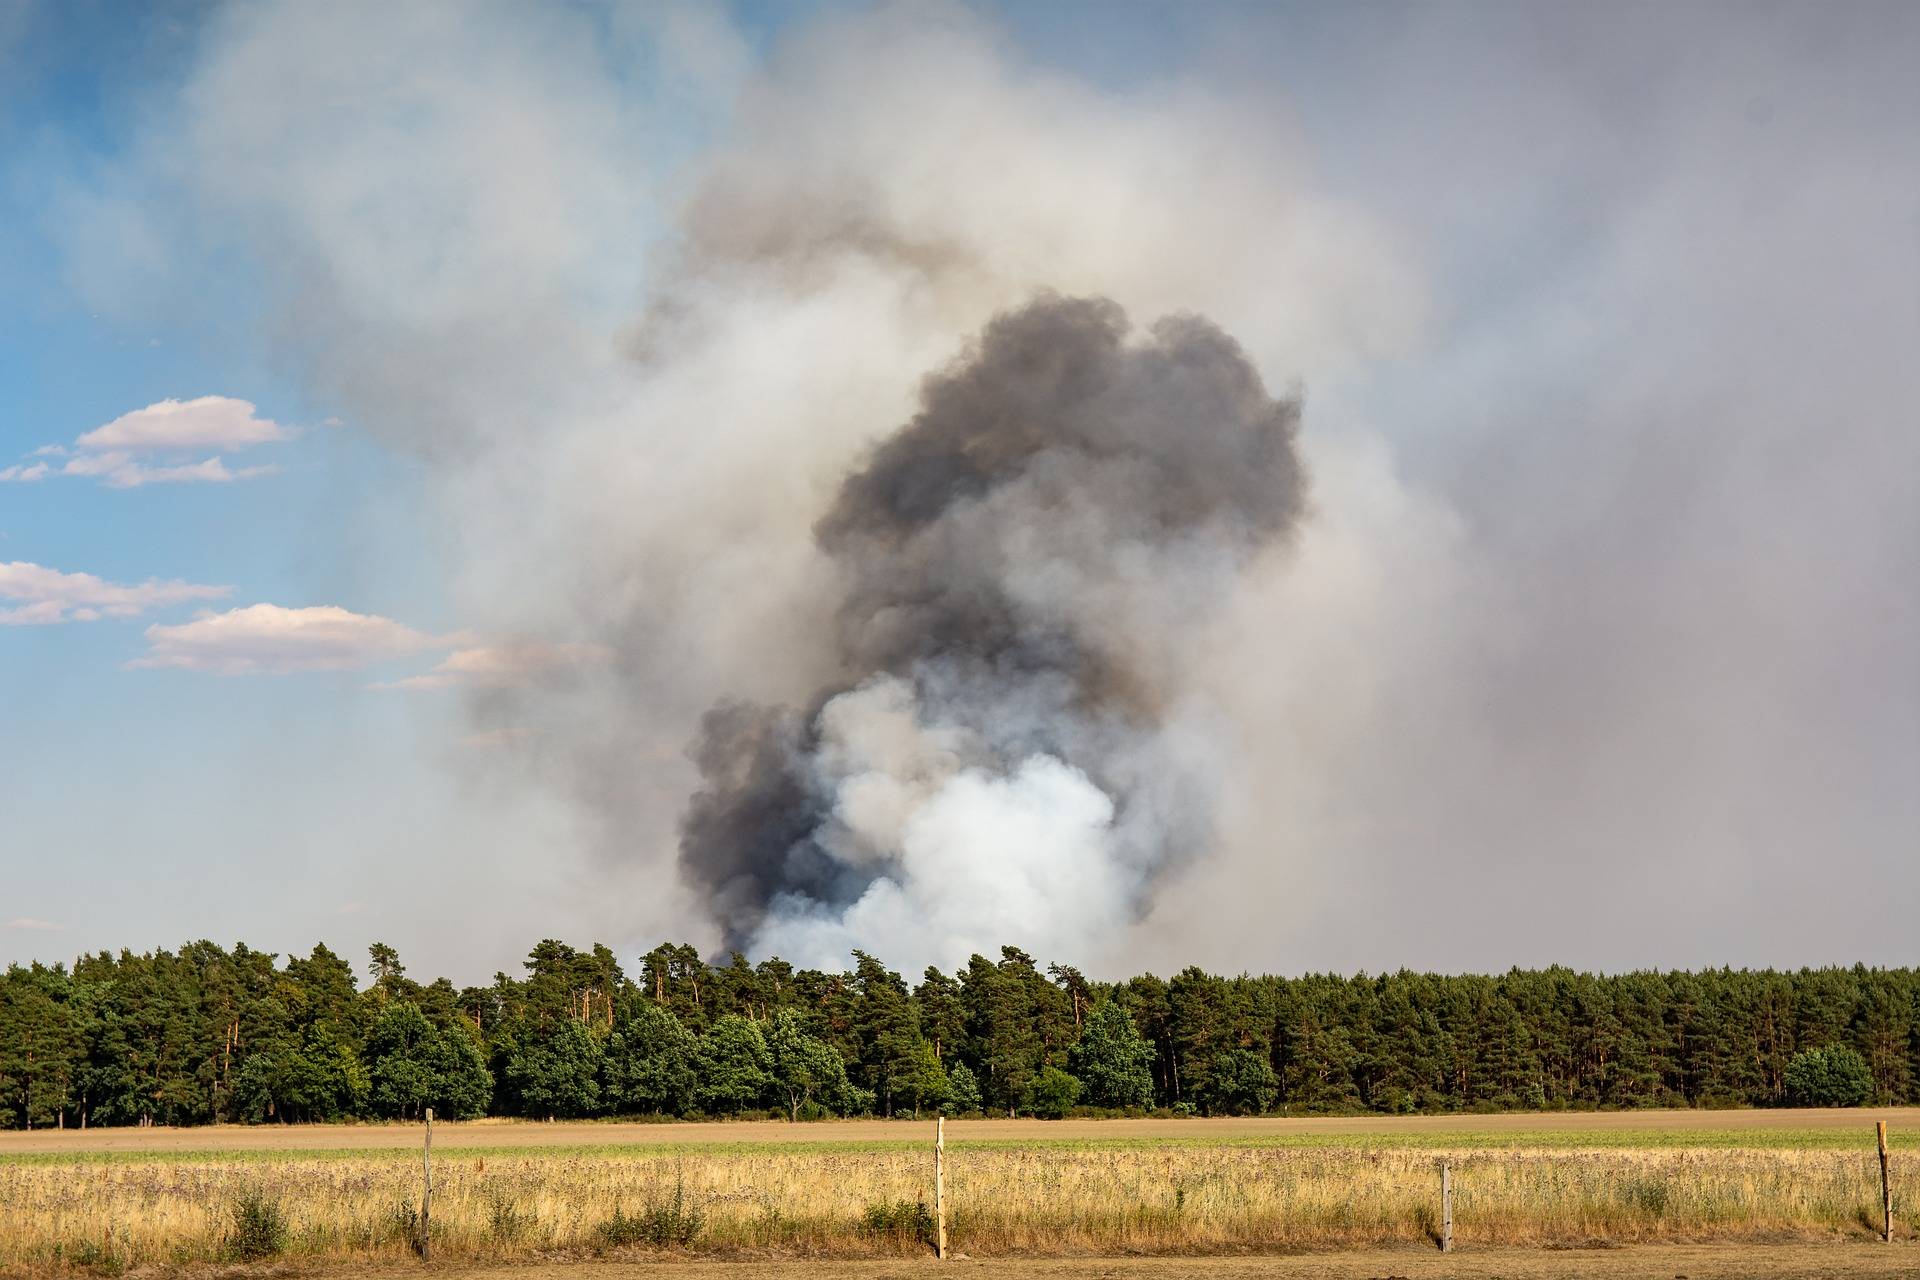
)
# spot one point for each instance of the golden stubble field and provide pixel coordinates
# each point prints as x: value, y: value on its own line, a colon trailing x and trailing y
x: 543, y: 1197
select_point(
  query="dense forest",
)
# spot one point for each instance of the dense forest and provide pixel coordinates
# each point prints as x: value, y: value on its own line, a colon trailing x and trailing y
x: 206, y: 1034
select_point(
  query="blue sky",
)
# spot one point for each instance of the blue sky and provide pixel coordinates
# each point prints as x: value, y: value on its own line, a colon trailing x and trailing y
x: 127, y: 788
x: 1604, y: 321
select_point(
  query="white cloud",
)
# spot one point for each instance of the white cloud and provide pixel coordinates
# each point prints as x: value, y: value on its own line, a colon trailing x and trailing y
x: 48, y: 595
x: 209, y: 422
x: 174, y: 429
x: 269, y: 638
x: 32, y: 925
x: 119, y: 469
x: 512, y: 663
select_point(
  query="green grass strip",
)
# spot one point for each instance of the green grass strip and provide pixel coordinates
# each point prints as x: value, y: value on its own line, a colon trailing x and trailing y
x: 1761, y: 1139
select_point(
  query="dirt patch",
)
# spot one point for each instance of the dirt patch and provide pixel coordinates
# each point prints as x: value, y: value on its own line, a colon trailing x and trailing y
x: 1851, y: 1261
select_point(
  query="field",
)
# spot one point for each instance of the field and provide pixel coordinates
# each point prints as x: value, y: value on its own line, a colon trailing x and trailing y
x: 1535, y: 1190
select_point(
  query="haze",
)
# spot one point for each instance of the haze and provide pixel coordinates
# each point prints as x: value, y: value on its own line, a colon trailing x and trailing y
x: 415, y: 420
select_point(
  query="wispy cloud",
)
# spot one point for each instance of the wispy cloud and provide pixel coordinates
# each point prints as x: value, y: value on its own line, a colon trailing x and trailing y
x: 270, y: 639
x: 510, y: 663
x: 267, y: 638
x: 32, y: 925
x: 47, y: 596
x: 120, y: 470
x: 120, y: 454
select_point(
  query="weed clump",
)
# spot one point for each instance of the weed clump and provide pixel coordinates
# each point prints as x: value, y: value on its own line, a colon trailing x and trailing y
x: 505, y: 1222
x: 101, y: 1259
x: 1649, y: 1194
x: 903, y: 1219
x: 665, y: 1222
x: 259, y: 1227
x: 403, y: 1225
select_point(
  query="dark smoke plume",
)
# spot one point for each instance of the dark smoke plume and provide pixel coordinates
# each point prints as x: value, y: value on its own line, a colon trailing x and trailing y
x: 1012, y: 562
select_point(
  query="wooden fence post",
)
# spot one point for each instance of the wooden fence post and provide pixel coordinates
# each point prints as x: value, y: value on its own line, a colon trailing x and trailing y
x: 1446, y: 1207
x: 1886, y: 1186
x: 426, y: 1193
x: 940, y: 1187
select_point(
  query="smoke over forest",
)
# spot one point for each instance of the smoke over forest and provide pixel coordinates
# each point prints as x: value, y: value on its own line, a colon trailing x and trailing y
x: 856, y: 448
x: 1006, y: 567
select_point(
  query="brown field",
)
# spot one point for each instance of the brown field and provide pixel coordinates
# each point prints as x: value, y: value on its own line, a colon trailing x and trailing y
x: 498, y: 1134
x: 1666, y: 1193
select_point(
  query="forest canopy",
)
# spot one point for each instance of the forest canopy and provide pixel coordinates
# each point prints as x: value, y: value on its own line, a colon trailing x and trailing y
x: 206, y: 1034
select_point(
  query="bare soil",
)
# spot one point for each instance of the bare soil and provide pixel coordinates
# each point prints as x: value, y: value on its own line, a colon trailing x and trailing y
x: 1798, y: 1261
x: 511, y: 1133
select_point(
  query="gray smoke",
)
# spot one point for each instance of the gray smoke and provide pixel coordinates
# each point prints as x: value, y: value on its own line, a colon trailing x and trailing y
x: 1008, y: 562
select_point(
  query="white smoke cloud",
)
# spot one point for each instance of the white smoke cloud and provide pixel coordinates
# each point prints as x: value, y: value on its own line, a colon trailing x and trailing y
x: 981, y: 859
x: 965, y: 852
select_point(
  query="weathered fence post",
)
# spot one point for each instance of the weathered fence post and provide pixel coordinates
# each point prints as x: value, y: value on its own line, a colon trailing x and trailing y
x: 1446, y: 1207
x: 426, y: 1193
x: 940, y: 1187
x: 1886, y: 1186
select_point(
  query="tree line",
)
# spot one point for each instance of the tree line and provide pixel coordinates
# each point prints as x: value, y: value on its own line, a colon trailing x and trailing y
x: 206, y: 1034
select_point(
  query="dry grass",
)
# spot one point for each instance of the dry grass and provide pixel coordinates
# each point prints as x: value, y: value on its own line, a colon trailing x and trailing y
x: 107, y: 1215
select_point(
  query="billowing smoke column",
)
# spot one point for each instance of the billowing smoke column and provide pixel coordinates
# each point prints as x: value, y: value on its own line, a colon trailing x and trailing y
x: 998, y: 761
